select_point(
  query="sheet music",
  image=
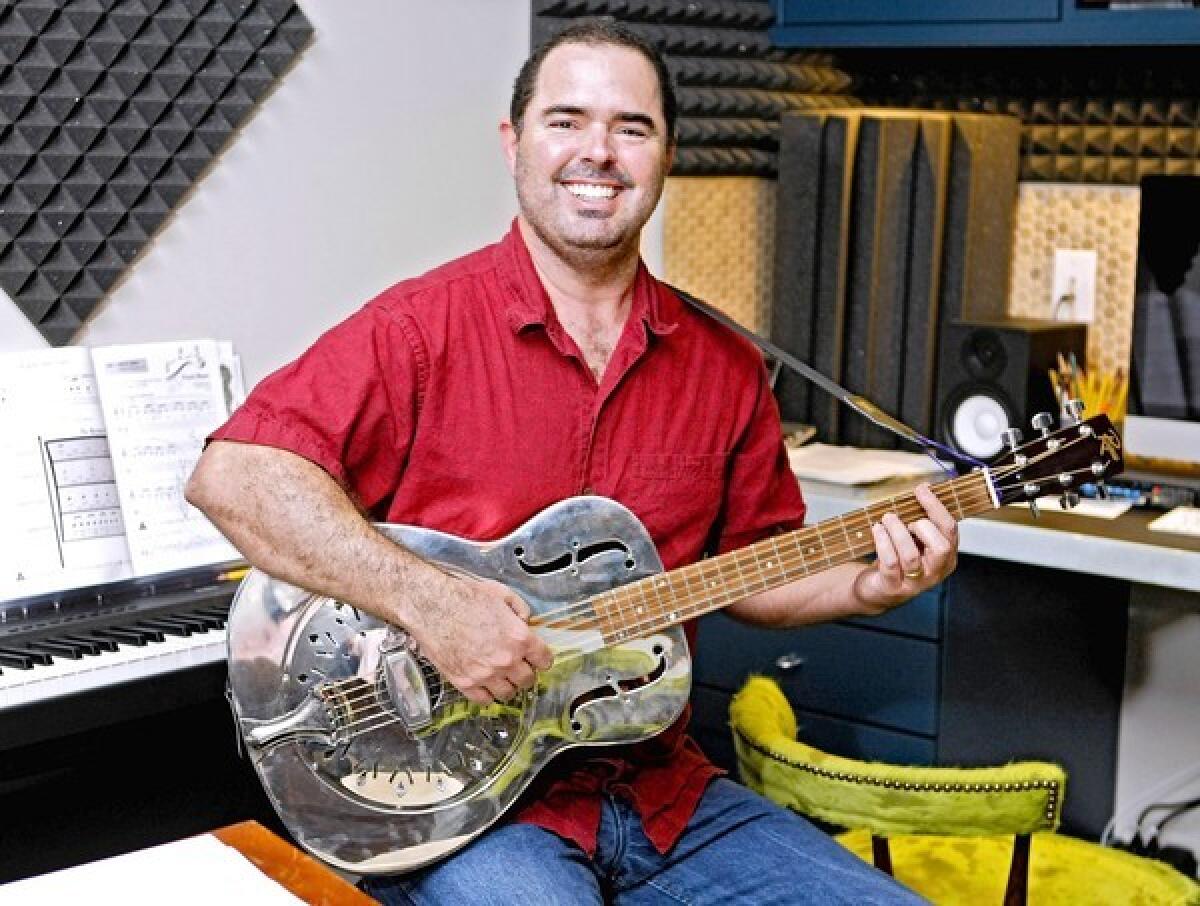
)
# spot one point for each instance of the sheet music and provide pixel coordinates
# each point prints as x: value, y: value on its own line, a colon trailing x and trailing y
x: 62, y: 524
x: 160, y: 400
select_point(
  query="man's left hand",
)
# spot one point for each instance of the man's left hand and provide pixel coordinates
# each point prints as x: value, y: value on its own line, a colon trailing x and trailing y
x: 909, y: 558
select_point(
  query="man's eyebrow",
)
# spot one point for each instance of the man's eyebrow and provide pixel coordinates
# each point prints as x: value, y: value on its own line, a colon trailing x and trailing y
x: 625, y: 117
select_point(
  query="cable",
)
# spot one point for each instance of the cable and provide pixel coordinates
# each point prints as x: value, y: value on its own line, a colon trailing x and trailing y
x: 1180, y: 777
x: 1177, y: 809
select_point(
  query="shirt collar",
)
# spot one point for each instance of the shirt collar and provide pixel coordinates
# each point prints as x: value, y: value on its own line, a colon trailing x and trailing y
x: 529, y: 303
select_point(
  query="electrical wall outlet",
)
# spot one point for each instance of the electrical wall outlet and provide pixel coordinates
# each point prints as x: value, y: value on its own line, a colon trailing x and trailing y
x: 1073, y: 297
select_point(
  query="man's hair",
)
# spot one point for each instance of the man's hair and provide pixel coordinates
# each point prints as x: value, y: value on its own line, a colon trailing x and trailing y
x: 593, y: 32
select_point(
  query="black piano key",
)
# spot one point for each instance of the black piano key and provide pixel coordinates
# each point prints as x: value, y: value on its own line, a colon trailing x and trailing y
x: 165, y: 624
x: 20, y: 661
x: 216, y: 614
x: 56, y: 648
x: 102, y: 642
x: 127, y: 636
x: 33, y: 657
x: 201, y: 622
x: 88, y: 646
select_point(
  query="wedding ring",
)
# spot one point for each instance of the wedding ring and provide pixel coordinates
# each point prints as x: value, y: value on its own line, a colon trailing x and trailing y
x: 915, y: 574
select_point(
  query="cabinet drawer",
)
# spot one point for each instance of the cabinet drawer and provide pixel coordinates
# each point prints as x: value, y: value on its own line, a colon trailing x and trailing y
x: 840, y: 670
x: 921, y: 616
x: 710, y: 728
x: 854, y: 740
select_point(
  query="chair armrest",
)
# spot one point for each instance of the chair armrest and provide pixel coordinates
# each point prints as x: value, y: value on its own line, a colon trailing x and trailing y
x: 1018, y: 798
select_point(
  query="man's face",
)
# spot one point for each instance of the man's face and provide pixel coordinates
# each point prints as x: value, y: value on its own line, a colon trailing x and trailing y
x: 592, y: 153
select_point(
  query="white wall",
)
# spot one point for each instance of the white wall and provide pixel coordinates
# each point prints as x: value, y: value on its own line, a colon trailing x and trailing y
x: 376, y: 158
x: 1159, y: 755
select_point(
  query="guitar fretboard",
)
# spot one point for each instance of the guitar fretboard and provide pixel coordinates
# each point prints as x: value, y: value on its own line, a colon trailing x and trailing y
x: 649, y: 605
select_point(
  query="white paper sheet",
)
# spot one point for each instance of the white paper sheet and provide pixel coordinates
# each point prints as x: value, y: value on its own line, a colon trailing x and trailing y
x: 1183, y: 520
x: 160, y: 400
x: 1097, y: 509
x: 198, y: 871
x: 858, y: 466
x: 62, y: 525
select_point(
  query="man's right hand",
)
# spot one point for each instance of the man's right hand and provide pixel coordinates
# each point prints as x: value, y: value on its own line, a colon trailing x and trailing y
x: 475, y: 632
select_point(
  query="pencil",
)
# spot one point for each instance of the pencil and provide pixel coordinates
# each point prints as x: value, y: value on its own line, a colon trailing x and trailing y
x: 234, y: 575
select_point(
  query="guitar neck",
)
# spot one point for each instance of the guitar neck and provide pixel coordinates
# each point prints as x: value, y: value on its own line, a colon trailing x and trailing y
x: 660, y: 601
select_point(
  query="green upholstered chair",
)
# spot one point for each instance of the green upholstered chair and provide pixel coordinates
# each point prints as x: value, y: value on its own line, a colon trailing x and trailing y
x: 972, y: 836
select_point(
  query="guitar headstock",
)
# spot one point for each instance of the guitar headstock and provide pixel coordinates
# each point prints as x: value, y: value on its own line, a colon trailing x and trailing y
x: 1059, y: 462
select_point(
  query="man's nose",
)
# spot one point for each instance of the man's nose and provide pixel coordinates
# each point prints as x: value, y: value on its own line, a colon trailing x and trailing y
x: 598, y: 146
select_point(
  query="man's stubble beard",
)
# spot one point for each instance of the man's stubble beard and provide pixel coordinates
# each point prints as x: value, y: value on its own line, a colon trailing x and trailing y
x: 593, y: 253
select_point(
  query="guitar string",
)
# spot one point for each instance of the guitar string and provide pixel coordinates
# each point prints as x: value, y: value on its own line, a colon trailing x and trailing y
x: 884, y: 506
x: 855, y: 521
x: 454, y: 696
x: 370, y: 693
x: 369, y: 719
x: 786, y: 561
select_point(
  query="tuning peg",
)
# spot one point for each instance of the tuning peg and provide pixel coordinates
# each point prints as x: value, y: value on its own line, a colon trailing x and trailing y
x: 1101, y: 490
x: 1033, y: 508
x: 1073, y: 412
x: 1043, y: 421
x: 1012, y: 438
x: 1069, y: 499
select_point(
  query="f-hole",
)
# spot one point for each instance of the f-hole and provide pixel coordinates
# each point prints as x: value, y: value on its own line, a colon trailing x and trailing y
x: 625, y: 686
x: 566, y: 561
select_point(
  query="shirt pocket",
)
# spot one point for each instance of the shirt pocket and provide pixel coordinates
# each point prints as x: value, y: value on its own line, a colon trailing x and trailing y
x: 679, y: 467
x: 677, y: 496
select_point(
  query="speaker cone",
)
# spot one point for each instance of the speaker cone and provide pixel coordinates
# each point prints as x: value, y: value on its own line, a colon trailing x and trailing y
x: 974, y: 420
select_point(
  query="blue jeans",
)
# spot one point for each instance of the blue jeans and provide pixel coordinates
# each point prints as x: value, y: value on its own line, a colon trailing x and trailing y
x: 738, y: 848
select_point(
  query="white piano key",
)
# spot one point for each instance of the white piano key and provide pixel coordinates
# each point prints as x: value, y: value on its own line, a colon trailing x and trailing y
x: 129, y: 662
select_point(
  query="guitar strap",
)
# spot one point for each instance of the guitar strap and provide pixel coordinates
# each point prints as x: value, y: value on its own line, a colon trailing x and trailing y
x: 859, y: 404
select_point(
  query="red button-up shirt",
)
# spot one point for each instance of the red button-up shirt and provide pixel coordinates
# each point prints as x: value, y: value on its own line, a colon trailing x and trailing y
x: 457, y: 401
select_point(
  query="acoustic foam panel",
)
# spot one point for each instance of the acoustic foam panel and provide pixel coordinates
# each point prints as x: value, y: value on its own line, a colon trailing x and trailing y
x: 109, y: 113
x: 732, y: 85
x: 1084, y: 120
x: 885, y: 230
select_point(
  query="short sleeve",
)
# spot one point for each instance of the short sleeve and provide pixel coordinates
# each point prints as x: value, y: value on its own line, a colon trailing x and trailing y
x: 349, y: 404
x: 763, y: 496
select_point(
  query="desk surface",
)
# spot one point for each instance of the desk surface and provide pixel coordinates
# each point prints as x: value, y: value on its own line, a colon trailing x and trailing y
x: 297, y: 871
x: 1121, y: 548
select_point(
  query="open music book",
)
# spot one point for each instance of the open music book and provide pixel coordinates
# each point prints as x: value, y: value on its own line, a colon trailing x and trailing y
x: 95, y: 450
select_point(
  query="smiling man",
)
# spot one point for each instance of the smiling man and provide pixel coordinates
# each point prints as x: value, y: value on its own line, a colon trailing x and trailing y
x: 549, y: 365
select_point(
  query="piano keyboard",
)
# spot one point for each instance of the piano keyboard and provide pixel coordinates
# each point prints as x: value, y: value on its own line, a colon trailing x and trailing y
x: 80, y: 655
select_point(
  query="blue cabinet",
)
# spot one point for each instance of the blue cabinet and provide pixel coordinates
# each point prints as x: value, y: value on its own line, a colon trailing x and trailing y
x: 977, y: 23
x: 868, y: 688
x: 1002, y: 661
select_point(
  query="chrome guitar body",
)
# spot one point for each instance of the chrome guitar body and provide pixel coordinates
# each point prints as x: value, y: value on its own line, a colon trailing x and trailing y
x: 374, y: 764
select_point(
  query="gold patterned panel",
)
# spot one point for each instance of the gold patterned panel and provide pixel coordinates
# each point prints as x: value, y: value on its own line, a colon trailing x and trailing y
x: 1064, y: 216
x: 719, y: 243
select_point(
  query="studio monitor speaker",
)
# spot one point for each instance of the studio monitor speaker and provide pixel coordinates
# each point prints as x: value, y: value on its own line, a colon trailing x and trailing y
x: 993, y: 376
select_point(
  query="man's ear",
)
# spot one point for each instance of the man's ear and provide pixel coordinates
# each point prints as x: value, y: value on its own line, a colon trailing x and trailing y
x: 508, y: 144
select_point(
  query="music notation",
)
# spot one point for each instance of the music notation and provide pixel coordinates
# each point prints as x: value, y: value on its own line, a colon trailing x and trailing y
x: 160, y: 400
x: 62, y: 525
x: 96, y: 448
x: 83, y: 488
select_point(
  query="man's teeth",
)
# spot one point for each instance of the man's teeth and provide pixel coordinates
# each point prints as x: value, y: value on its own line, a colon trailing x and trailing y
x: 583, y: 190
